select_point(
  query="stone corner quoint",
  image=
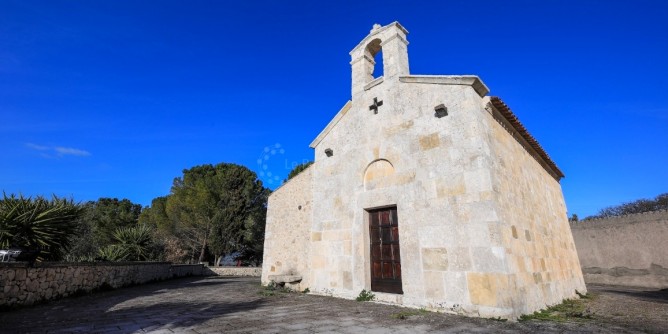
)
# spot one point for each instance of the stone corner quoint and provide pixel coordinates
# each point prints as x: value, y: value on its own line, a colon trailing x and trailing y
x: 427, y: 192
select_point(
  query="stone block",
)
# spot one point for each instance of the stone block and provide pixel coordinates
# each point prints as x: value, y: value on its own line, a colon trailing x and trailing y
x: 482, y: 288
x: 285, y: 278
x: 488, y: 259
x: 453, y: 185
x: 347, y: 247
x: 20, y: 274
x: 433, y: 285
x: 478, y: 180
x: 319, y: 262
x: 456, y: 287
x: 436, y: 235
x: 429, y: 142
x: 435, y: 259
x: 459, y: 259
x: 347, y: 278
x: 478, y: 234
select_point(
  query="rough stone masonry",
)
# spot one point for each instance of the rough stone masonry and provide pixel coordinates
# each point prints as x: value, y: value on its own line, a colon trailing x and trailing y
x: 427, y: 192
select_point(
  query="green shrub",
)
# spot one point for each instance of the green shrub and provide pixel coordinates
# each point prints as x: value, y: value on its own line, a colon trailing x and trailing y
x: 112, y: 253
x: 365, y: 296
x: 38, y: 224
x: 136, y: 241
x: 569, y: 309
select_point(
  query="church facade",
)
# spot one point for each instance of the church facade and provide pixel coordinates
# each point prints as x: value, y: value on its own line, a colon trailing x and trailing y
x: 427, y: 192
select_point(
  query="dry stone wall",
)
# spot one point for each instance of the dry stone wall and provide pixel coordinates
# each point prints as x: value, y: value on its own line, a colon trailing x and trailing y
x: 24, y: 285
x: 234, y: 271
x: 628, y: 250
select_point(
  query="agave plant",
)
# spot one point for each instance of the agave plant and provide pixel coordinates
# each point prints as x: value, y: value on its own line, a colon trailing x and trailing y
x: 112, y: 253
x: 38, y: 224
x: 137, y: 242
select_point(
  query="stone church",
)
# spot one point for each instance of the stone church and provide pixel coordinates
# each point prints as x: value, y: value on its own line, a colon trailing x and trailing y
x: 427, y: 192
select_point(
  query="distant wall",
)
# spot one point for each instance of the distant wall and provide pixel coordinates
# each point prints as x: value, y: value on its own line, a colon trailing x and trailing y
x: 233, y: 271
x: 630, y: 250
x: 24, y: 285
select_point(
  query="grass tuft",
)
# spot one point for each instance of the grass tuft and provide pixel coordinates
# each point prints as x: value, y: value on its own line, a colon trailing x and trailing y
x: 568, y: 310
x: 365, y: 296
x: 273, y: 289
x: 409, y: 313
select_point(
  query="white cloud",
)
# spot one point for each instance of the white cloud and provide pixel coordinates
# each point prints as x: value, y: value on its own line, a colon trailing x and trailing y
x: 37, y: 147
x: 71, y: 151
x: 59, y: 151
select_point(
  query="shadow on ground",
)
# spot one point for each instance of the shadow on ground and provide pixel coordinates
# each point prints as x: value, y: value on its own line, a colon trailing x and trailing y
x: 175, y: 304
x: 660, y: 296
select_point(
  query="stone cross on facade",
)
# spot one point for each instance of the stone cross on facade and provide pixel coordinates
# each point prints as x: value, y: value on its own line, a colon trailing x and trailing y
x: 375, y: 105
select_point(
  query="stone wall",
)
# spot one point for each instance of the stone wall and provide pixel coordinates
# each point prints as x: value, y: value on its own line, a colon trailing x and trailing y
x: 529, y: 231
x: 234, y: 271
x: 628, y: 250
x: 24, y: 285
x: 288, y: 232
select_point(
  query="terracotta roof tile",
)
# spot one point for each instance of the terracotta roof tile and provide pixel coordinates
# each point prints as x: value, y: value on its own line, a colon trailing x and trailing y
x: 522, y: 131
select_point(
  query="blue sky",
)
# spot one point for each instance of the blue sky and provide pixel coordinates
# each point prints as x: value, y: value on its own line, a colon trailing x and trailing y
x: 116, y: 98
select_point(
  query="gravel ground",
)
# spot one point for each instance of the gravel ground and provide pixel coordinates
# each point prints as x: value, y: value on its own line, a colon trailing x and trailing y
x: 633, y: 308
x: 240, y: 305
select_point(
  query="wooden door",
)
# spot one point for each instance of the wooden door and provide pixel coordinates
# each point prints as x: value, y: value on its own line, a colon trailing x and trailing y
x: 385, y: 258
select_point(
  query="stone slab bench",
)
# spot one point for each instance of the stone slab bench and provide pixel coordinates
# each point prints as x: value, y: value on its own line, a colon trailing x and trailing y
x: 282, y: 279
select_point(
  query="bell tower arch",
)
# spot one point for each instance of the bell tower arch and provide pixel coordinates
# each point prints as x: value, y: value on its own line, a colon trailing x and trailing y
x: 391, y: 40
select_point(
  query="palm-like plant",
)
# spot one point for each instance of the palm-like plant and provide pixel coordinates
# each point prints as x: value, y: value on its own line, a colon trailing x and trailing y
x: 137, y: 242
x: 112, y: 253
x: 38, y: 224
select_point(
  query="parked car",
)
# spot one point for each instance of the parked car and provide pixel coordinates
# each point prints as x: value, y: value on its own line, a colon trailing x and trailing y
x: 19, y: 254
x: 231, y: 260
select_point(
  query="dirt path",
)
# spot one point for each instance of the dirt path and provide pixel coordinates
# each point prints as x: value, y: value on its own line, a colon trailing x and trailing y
x: 642, y: 309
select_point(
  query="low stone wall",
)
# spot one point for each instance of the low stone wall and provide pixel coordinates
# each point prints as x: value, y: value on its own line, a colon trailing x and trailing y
x: 629, y: 250
x: 233, y: 271
x: 183, y: 270
x: 24, y: 285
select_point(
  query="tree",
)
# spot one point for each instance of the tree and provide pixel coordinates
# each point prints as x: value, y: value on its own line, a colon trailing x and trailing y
x: 660, y: 202
x: 217, y: 206
x: 108, y: 214
x: 40, y: 224
x: 298, y: 169
x: 177, y: 241
x: 156, y: 215
x: 253, y: 238
x: 97, y: 224
x: 180, y: 240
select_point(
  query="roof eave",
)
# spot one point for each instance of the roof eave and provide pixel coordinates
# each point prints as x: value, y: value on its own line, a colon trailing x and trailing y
x: 533, y: 144
x: 344, y: 110
x: 466, y: 80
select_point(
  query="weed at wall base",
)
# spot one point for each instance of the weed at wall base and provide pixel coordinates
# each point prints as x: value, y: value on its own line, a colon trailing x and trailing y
x: 365, y: 296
